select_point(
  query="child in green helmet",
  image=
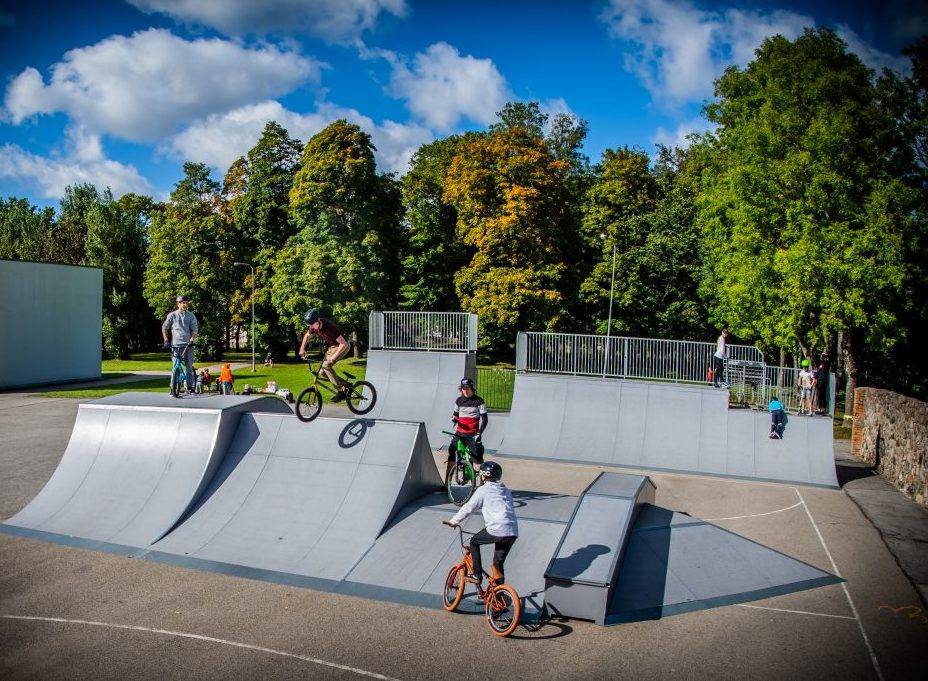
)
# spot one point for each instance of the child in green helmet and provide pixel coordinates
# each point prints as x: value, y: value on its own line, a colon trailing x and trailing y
x: 806, y: 385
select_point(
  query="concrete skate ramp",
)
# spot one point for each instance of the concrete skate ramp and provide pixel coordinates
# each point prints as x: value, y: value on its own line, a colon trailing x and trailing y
x: 305, y: 499
x: 661, y: 426
x: 412, y: 558
x: 675, y: 563
x: 415, y: 385
x: 134, y: 464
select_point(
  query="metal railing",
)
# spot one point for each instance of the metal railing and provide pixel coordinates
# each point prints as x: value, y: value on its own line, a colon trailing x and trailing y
x: 449, y: 331
x: 495, y: 385
x: 622, y: 356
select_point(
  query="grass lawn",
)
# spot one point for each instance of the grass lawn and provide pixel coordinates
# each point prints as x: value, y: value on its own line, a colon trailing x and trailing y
x: 153, y: 385
x: 293, y: 375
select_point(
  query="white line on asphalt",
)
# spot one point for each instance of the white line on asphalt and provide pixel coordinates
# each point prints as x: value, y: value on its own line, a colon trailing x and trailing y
x: 756, y: 515
x: 860, y: 625
x: 795, y: 612
x: 210, y: 639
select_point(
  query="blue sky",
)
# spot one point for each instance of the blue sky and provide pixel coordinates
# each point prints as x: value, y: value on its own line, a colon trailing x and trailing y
x: 120, y: 93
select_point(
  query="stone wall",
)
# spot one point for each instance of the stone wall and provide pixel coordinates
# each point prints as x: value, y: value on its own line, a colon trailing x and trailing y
x: 891, y: 433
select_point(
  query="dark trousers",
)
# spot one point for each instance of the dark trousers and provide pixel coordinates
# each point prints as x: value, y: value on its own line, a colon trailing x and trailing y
x: 718, y: 370
x: 503, y: 544
x: 777, y: 421
x: 476, y: 451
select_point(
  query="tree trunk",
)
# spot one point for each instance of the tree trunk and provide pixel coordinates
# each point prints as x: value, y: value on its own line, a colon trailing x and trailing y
x: 354, y: 345
x: 839, y: 357
x: 851, y: 366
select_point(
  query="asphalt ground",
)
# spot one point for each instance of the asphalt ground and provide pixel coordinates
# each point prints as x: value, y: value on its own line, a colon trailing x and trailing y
x: 75, y: 614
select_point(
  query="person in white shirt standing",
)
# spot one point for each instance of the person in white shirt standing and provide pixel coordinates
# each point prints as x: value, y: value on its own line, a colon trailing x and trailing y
x: 718, y: 360
x: 494, y: 500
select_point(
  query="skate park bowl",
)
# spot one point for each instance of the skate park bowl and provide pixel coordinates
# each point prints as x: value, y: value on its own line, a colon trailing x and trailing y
x: 662, y: 427
x: 352, y: 506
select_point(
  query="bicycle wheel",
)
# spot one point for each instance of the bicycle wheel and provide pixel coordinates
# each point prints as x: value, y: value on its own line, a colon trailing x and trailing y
x: 460, y: 483
x: 454, y: 588
x: 175, y: 383
x: 309, y: 404
x: 362, y: 397
x: 503, y: 609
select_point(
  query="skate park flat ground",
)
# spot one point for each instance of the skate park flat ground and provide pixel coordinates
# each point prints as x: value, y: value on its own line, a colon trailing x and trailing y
x: 98, y: 615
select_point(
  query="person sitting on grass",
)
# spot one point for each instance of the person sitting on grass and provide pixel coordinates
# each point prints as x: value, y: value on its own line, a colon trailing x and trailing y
x: 777, y: 418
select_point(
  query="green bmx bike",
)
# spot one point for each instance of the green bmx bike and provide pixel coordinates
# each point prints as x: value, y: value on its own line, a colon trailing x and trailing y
x: 461, y: 478
x: 360, y: 397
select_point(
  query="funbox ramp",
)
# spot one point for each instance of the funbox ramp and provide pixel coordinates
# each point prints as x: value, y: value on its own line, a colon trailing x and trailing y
x: 306, y: 499
x: 416, y: 385
x: 134, y: 464
x: 660, y: 426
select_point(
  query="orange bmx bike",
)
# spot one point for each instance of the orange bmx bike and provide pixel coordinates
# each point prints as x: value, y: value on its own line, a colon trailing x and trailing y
x: 502, y: 604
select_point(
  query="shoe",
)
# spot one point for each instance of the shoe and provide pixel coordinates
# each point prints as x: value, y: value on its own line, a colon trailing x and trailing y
x: 724, y: 385
x: 339, y: 397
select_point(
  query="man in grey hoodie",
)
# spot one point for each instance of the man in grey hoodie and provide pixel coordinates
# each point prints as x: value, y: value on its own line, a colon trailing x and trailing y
x: 183, y: 327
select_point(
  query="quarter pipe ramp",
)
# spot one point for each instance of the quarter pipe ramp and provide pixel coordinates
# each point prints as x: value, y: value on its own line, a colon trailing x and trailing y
x: 661, y: 426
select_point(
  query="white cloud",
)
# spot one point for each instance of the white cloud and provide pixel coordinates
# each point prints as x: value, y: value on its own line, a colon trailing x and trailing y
x: 677, y: 137
x: 82, y: 161
x: 441, y: 87
x: 221, y: 138
x: 681, y: 49
x: 145, y: 86
x: 872, y: 57
x: 332, y: 20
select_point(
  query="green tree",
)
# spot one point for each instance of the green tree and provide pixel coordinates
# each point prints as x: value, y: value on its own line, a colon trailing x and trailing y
x: 802, y: 220
x: 648, y: 216
x: 116, y: 239
x: 257, y: 188
x: 509, y: 194
x: 25, y: 231
x: 67, y: 242
x: 191, y: 251
x: 344, y: 257
x: 433, y: 253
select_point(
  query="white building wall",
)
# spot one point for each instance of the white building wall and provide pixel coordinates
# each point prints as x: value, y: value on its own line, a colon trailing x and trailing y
x: 50, y: 323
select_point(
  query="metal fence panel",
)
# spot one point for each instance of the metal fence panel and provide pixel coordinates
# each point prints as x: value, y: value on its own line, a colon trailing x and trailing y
x: 449, y: 331
x: 495, y: 385
x: 622, y: 356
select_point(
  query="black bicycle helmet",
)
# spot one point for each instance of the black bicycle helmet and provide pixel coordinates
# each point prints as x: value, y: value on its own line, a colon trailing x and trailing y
x: 491, y: 471
x: 468, y: 383
x: 311, y: 316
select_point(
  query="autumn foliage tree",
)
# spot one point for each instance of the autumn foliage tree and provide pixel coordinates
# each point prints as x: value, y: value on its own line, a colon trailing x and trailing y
x: 508, y: 191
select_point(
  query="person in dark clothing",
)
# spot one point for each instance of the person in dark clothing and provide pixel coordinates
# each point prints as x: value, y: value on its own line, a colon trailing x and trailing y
x: 822, y: 372
x: 336, y: 348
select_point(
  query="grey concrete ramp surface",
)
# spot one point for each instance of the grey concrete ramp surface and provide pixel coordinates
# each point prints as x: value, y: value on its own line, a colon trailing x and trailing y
x: 415, y: 385
x: 661, y: 426
x: 581, y: 578
x: 414, y: 555
x: 675, y: 563
x: 305, y: 499
x: 134, y: 464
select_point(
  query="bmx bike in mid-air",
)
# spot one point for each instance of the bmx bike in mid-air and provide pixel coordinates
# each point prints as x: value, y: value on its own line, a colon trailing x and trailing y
x: 360, y: 396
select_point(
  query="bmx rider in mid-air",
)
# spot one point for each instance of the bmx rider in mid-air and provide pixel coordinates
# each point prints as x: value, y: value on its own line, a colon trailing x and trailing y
x: 336, y: 348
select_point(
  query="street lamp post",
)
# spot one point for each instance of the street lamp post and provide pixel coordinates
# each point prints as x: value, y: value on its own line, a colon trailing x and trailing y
x: 609, y: 323
x: 245, y: 264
